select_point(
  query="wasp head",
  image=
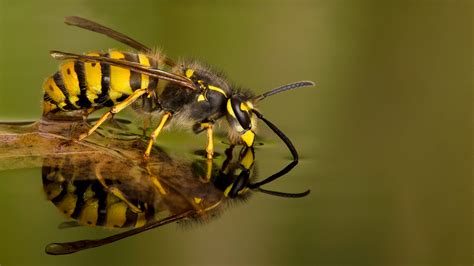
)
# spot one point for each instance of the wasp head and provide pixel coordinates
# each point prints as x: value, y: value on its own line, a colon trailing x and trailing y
x: 241, y: 119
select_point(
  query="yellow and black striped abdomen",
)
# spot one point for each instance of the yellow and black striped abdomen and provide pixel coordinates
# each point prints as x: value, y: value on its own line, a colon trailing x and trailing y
x: 83, y: 85
x: 89, y: 203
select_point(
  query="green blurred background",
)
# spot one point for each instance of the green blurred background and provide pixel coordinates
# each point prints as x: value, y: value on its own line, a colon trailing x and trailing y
x: 385, y: 138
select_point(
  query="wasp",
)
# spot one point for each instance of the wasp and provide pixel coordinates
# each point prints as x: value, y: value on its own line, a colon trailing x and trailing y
x: 187, y: 92
x: 108, y: 193
x: 103, y: 182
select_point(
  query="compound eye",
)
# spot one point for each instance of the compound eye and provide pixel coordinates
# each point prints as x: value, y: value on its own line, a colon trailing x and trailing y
x: 242, y: 115
x: 239, y: 183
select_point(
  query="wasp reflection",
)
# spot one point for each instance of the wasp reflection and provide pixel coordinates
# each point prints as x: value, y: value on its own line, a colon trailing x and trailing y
x: 105, y: 182
x: 98, y: 191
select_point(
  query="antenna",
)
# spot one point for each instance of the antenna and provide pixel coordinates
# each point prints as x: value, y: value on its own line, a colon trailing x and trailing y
x: 294, y: 85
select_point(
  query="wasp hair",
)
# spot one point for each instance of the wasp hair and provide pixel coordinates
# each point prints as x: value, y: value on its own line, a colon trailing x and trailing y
x: 283, y: 88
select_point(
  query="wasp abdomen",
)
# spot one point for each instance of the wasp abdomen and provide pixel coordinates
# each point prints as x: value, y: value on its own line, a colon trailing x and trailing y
x: 83, y: 85
x: 89, y: 203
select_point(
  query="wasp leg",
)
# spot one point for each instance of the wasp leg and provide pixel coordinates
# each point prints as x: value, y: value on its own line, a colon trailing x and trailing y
x: 116, y: 192
x: 155, y: 134
x: 115, y: 109
x: 156, y: 182
x: 208, y: 125
x: 210, y: 142
x: 209, y: 171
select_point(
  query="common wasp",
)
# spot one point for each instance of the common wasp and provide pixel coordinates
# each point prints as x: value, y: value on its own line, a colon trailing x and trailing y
x: 104, y: 192
x: 103, y: 182
x: 189, y: 93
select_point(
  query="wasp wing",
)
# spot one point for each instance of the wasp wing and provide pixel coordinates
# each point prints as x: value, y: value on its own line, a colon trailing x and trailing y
x: 96, y: 27
x: 170, y: 185
x: 132, y: 66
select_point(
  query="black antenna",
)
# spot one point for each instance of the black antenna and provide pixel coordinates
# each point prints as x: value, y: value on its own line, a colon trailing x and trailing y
x: 283, y: 171
x: 283, y: 194
x: 283, y: 88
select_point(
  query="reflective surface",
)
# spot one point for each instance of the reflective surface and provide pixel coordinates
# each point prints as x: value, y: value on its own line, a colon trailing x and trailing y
x: 112, y: 186
x: 385, y: 137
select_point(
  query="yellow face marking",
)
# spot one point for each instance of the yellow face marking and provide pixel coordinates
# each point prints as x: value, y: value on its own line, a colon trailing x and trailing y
x: 93, y: 75
x: 248, y: 160
x: 201, y: 98
x: 201, y: 84
x: 143, y: 59
x: 71, y: 81
x: 229, y: 109
x: 116, y: 214
x: 189, y: 72
x: 248, y: 137
x: 214, y: 88
x: 119, y: 78
x: 53, y: 91
x: 243, y: 191
x: 197, y: 200
x: 249, y: 105
x: 244, y: 107
x: 227, y: 190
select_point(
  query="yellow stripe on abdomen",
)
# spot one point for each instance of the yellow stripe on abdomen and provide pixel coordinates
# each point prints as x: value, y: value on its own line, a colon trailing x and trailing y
x: 119, y: 78
x: 116, y: 214
x: 93, y: 74
x: 54, y: 93
x: 71, y: 82
x: 89, y: 213
x: 143, y: 59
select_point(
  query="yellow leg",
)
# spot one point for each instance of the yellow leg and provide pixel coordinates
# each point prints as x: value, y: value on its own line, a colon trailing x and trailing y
x: 115, y: 109
x: 158, y: 185
x: 208, y: 172
x: 210, y: 143
x: 154, y: 180
x: 116, y: 192
x: 155, y: 134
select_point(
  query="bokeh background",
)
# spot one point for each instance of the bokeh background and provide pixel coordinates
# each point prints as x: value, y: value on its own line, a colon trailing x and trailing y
x: 385, y: 137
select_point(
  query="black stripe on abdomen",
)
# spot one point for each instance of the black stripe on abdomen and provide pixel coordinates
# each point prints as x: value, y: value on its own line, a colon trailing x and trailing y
x: 135, y: 78
x: 131, y: 218
x: 101, y: 196
x: 58, y: 79
x: 81, y: 187
x: 47, y: 98
x: 83, y: 100
x: 153, y: 82
x: 103, y: 98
